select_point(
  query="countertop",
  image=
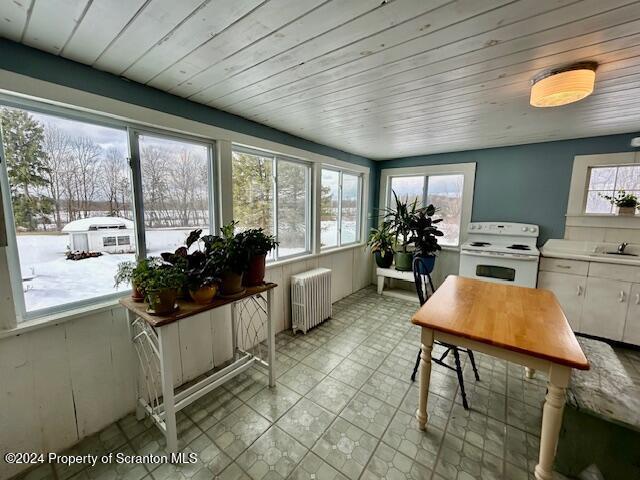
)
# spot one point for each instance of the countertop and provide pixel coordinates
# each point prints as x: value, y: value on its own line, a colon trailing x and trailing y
x: 589, y: 252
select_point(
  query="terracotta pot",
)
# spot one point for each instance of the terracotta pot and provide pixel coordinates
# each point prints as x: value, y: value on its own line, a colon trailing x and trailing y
x: 204, y: 295
x: 136, y: 294
x: 163, y: 302
x: 230, y: 283
x: 624, y: 211
x: 254, y: 275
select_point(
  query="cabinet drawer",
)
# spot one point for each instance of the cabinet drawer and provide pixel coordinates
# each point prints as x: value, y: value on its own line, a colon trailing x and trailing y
x: 560, y: 265
x: 624, y: 273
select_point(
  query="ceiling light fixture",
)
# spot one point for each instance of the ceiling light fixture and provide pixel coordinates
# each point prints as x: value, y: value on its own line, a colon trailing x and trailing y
x: 563, y: 85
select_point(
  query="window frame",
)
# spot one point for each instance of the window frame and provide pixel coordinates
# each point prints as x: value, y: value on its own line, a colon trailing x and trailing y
x: 130, y: 129
x: 576, y: 215
x: 467, y: 170
x: 276, y: 157
x: 360, y: 193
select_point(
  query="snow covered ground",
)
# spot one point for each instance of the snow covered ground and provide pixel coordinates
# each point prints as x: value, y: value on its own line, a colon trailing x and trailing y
x: 49, y: 279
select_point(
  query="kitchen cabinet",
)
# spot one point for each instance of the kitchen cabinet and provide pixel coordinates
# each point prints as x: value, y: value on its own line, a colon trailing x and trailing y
x: 569, y: 290
x: 604, y: 310
x: 632, y: 326
x: 598, y: 298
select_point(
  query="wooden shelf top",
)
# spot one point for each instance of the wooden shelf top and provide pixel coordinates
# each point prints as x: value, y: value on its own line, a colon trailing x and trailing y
x: 523, y: 320
x: 187, y: 308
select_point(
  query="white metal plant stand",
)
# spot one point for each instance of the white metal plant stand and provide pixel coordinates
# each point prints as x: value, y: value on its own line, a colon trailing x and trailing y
x: 251, y: 325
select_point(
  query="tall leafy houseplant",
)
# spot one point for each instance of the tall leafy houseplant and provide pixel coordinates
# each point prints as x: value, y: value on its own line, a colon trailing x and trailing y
x: 425, y: 235
x: 258, y: 244
x: 400, y: 220
x: 231, y: 255
x: 381, y: 243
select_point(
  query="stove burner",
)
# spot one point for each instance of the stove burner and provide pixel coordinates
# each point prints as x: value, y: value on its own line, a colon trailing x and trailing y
x: 518, y: 246
x: 480, y: 244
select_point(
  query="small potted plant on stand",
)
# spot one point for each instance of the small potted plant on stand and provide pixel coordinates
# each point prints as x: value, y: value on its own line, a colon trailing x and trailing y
x: 400, y: 220
x: 258, y: 244
x: 425, y: 237
x: 232, y: 257
x: 161, y: 285
x: 132, y: 273
x: 200, y: 267
x: 381, y: 242
x: 627, y: 203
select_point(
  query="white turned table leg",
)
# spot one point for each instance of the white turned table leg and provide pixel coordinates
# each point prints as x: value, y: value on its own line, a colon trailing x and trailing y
x: 380, y: 284
x: 529, y: 372
x: 552, y: 420
x: 425, y: 377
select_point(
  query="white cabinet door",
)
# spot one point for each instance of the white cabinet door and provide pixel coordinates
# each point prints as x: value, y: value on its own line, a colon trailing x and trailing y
x: 569, y: 290
x: 632, y: 326
x: 605, y: 308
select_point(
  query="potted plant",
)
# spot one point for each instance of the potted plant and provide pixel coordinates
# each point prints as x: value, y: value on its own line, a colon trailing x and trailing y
x: 200, y: 267
x: 381, y: 242
x: 425, y: 237
x: 627, y: 203
x: 400, y: 220
x: 131, y: 273
x: 231, y: 255
x: 258, y: 245
x: 160, y: 285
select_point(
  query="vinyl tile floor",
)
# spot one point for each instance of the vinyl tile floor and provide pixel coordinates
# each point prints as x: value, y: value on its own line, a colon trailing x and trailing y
x: 343, y: 408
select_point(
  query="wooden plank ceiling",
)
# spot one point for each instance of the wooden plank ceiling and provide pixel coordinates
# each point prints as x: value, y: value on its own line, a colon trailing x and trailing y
x: 382, y: 79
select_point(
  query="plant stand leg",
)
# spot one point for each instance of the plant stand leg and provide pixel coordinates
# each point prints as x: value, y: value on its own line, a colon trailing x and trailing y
x: 168, y: 399
x: 380, y: 284
x: 271, y: 340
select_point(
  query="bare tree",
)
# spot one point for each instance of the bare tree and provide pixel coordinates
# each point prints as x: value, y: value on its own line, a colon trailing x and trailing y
x: 113, y: 177
x: 57, y: 146
x: 154, y: 184
x: 86, y: 155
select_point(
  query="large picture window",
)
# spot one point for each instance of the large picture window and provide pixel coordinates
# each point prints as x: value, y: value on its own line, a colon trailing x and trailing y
x: 70, y: 190
x: 175, y: 190
x: 444, y: 190
x: 340, y: 207
x: 273, y: 193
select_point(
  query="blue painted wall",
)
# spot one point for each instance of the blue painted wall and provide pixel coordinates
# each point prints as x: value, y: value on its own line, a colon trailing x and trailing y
x: 524, y: 183
x: 34, y: 63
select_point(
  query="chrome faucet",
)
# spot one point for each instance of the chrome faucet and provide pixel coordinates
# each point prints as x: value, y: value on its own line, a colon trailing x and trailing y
x: 622, y: 246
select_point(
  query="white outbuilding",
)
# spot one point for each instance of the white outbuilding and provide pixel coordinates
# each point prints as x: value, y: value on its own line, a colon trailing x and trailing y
x: 101, y: 234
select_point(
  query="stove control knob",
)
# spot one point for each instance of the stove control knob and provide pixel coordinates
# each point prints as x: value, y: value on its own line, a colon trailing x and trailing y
x: 525, y: 229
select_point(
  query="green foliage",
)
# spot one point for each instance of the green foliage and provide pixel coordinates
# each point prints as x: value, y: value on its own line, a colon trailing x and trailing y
x: 134, y: 273
x: 381, y: 239
x: 257, y: 242
x: 622, y: 199
x: 201, y: 268
x: 26, y: 167
x: 424, y: 231
x: 228, y: 249
x: 156, y: 276
x: 400, y: 220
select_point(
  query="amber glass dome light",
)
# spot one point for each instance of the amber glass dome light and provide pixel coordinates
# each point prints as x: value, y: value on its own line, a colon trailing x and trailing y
x: 562, y: 86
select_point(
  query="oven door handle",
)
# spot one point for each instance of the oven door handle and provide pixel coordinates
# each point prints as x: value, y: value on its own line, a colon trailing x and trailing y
x: 474, y: 253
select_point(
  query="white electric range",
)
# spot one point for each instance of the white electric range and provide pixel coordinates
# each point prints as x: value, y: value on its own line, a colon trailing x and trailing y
x: 501, y: 253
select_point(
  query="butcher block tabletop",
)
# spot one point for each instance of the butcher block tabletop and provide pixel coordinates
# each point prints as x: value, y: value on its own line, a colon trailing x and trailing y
x: 524, y: 320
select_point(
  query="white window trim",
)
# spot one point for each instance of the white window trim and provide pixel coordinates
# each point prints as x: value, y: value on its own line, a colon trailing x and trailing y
x: 468, y: 170
x: 359, y: 219
x: 576, y: 216
x: 25, y: 91
x: 308, y: 206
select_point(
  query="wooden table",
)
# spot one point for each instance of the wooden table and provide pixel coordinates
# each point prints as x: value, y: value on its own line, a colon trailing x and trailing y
x: 521, y: 325
x: 152, y: 343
